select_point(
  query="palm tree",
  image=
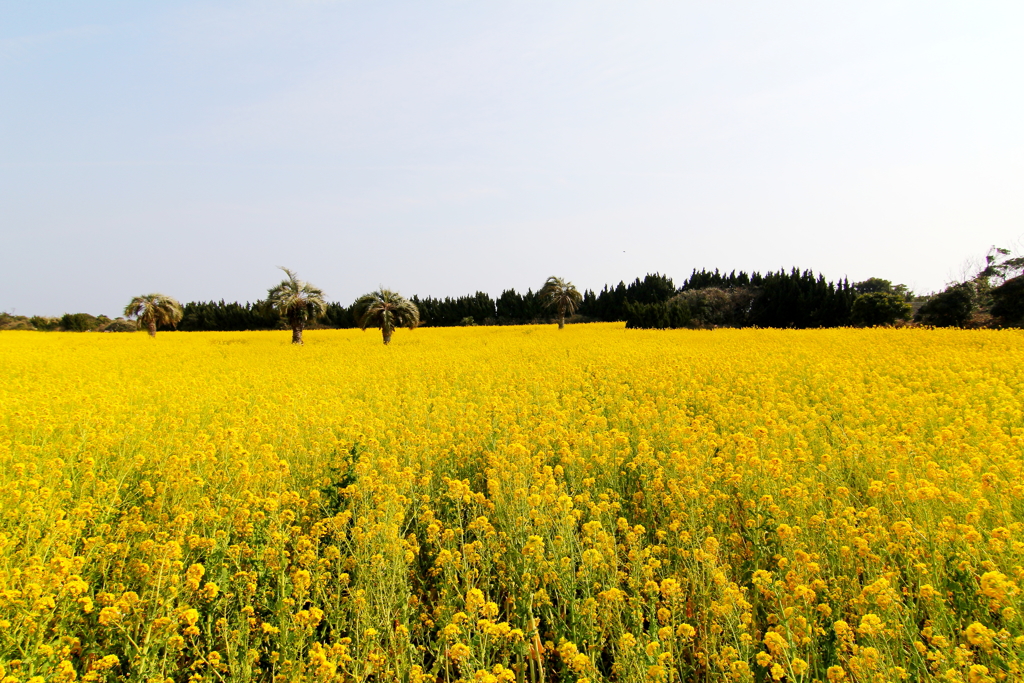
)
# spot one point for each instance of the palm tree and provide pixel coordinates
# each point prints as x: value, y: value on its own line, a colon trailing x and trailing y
x: 298, y: 302
x: 154, y: 309
x: 561, y: 295
x: 387, y: 310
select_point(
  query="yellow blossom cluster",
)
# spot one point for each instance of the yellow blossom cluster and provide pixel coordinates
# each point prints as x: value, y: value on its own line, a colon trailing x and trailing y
x: 513, y: 504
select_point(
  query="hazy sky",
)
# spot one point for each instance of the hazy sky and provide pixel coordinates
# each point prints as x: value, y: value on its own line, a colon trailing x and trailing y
x: 443, y: 147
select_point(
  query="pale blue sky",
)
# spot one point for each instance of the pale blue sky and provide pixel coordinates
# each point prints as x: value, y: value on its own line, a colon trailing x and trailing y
x: 444, y: 147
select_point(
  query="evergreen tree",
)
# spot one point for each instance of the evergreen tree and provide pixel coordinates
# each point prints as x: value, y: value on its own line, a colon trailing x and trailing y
x: 879, y: 308
x: 1008, y: 301
x: 950, y: 308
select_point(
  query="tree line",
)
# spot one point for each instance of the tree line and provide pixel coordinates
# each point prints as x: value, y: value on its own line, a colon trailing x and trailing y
x: 992, y: 296
x: 705, y: 299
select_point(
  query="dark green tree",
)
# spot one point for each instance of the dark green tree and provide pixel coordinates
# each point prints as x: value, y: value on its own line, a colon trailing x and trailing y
x: 873, y: 285
x: 652, y: 289
x: 705, y: 279
x: 1008, y: 301
x: 669, y: 314
x: 219, y: 316
x: 950, y: 308
x: 879, y: 308
x: 607, y: 305
x: 339, y: 317
x: 800, y: 299
x: 452, y: 311
x: 903, y: 291
x: 511, y: 308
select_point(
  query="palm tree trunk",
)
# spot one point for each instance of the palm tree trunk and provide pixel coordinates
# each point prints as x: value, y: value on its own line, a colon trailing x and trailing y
x: 297, y: 334
x: 387, y: 332
x: 561, y: 322
x: 152, y: 328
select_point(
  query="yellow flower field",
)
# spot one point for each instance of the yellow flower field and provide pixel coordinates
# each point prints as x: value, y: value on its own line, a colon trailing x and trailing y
x: 516, y: 503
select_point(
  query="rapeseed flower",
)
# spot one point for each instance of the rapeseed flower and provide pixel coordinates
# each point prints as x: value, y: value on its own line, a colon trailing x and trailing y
x: 663, y: 502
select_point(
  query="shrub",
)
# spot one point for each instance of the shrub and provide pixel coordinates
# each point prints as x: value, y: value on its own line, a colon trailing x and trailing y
x: 9, y: 321
x: 951, y: 308
x: 660, y: 316
x: 714, y: 307
x: 45, y: 323
x: 121, y: 325
x: 1008, y: 301
x: 20, y: 324
x: 879, y: 308
x: 78, y: 322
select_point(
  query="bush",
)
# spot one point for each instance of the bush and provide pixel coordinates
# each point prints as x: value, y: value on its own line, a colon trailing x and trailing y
x: 879, y: 308
x: 17, y: 325
x: 1008, y: 301
x: 714, y: 307
x: 121, y: 325
x: 951, y: 308
x: 658, y: 316
x: 78, y: 322
x: 45, y: 323
x: 9, y: 321
x: 697, y: 308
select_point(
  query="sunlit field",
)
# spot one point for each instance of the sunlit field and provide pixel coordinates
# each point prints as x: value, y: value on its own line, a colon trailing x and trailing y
x: 517, y: 503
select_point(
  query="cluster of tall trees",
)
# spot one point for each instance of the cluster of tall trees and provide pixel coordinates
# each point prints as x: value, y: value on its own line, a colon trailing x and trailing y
x: 476, y: 309
x: 208, y: 316
x: 782, y: 299
x: 512, y: 308
x: 991, y: 297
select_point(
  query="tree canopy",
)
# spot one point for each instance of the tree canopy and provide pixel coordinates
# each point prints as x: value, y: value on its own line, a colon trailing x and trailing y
x: 879, y: 308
